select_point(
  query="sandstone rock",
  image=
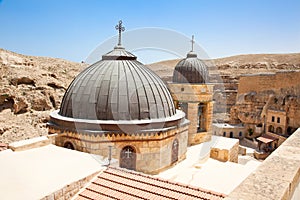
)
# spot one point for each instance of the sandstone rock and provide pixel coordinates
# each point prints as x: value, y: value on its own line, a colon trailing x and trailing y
x: 22, y: 80
x: 20, y: 105
x: 55, y: 85
x: 3, y: 97
x: 40, y: 104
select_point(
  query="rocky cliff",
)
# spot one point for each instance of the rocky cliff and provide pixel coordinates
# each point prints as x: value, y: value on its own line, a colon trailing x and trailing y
x: 30, y: 87
x: 259, y: 93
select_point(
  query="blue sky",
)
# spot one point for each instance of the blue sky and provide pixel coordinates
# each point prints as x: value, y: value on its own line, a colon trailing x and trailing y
x: 71, y: 29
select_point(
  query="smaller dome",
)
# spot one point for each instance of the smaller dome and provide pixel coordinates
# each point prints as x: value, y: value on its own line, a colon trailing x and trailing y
x: 191, y: 70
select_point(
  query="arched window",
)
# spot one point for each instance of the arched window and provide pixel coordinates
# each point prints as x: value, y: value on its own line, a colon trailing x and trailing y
x: 271, y: 128
x: 278, y: 119
x: 273, y: 119
x: 175, y: 148
x: 279, y: 130
x: 128, y: 158
x: 224, y: 134
x: 240, y: 134
x: 69, y: 145
x: 201, y: 118
x: 289, y: 130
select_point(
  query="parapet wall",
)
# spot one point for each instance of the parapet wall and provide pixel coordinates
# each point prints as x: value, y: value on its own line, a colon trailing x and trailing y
x: 68, y: 191
x: 263, y: 82
x: 277, y: 177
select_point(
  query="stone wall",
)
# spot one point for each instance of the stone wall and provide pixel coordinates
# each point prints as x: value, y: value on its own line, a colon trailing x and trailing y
x: 281, y: 139
x: 225, y: 130
x: 257, y: 94
x: 68, y: 191
x: 262, y: 82
x: 277, y: 177
x: 276, y: 122
x: 224, y: 154
x: 29, y: 143
x: 153, y: 150
x: 193, y: 94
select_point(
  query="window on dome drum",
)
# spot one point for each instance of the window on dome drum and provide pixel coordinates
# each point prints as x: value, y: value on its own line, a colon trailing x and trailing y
x: 128, y: 158
x: 201, y: 118
x: 175, y: 148
x: 240, y: 134
x: 278, y: 119
x: 184, y: 107
x: 273, y: 119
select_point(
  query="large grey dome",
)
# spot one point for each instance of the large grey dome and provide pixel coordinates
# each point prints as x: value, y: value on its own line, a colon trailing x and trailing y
x: 190, y: 70
x: 118, y: 87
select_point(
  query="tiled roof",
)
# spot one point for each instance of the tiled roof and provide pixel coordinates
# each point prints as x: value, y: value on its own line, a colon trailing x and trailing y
x: 116, y: 183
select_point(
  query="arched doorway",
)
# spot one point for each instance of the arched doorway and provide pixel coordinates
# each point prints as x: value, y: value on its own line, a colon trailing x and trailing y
x: 289, y: 130
x: 175, y: 148
x: 69, y: 145
x: 128, y: 158
x: 279, y: 130
x: 271, y: 129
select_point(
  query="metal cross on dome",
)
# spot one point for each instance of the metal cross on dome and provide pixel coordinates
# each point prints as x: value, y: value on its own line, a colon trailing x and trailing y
x: 192, y: 41
x: 120, y: 28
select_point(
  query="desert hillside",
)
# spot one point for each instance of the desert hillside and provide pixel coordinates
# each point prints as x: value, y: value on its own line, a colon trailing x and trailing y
x: 31, y: 87
x: 237, y: 65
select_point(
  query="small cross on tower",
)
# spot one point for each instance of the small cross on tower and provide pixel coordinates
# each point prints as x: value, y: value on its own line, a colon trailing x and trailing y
x: 192, y: 41
x: 120, y: 28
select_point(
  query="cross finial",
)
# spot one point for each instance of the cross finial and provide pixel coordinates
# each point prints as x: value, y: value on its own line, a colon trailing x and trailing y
x: 192, y: 41
x: 128, y: 153
x: 120, y: 28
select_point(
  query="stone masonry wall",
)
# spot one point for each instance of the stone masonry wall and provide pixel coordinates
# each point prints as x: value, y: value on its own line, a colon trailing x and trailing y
x: 153, y: 150
x: 262, y: 82
x: 193, y: 94
x: 225, y: 154
x: 68, y: 191
x: 262, y: 92
x: 277, y: 177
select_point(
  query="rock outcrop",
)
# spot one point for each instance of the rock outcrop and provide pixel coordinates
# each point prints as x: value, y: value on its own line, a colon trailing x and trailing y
x: 30, y: 88
x: 278, y: 91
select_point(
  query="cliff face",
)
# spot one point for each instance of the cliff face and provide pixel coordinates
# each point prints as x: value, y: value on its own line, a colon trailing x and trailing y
x: 259, y: 93
x: 30, y: 87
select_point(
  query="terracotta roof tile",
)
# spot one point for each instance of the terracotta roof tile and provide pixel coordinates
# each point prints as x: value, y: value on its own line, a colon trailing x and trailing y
x: 117, y: 183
